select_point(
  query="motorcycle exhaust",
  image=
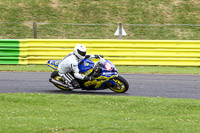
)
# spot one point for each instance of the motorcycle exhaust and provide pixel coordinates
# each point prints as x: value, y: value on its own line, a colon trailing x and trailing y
x: 58, y: 83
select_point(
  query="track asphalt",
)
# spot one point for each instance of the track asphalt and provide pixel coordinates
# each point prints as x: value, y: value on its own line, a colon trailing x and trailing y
x: 148, y: 85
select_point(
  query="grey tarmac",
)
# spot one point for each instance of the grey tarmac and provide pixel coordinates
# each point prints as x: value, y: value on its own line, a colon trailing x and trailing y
x: 147, y: 85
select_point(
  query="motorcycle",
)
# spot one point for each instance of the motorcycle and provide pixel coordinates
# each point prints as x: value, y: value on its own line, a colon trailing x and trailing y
x: 104, y: 71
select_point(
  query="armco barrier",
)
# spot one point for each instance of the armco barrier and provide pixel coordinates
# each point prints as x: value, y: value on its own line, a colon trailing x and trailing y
x: 120, y: 52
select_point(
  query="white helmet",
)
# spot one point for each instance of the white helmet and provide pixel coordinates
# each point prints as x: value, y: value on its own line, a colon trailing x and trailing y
x: 80, y: 51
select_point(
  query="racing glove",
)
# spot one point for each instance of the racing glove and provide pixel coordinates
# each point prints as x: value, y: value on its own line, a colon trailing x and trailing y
x: 101, y: 56
x: 87, y: 56
x: 98, y: 56
x: 88, y: 78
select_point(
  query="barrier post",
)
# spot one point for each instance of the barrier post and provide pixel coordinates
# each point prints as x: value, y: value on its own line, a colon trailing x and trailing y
x: 35, y: 30
x: 120, y: 31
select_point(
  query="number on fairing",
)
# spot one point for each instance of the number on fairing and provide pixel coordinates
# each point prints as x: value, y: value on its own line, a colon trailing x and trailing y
x: 108, y: 66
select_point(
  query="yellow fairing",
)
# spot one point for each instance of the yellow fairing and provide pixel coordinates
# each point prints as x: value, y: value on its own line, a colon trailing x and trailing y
x: 99, y: 81
x: 53, y: 66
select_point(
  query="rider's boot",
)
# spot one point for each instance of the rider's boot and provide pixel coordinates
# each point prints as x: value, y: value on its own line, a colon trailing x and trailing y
x: 75, y: 83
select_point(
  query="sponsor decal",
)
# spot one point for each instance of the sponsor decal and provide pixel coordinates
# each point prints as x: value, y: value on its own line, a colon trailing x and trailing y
x: 86, y: 64
x: 109, y: 73
x: 108, y: 66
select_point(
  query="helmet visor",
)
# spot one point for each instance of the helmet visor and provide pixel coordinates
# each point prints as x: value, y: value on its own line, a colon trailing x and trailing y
x: 81, y: 52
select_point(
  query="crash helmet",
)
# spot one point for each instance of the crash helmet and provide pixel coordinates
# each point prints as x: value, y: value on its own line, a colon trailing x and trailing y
x: 80, y: 51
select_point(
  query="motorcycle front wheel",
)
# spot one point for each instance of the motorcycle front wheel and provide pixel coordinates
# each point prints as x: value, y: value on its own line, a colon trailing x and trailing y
x: 56, y: 76
x: 121, y: 85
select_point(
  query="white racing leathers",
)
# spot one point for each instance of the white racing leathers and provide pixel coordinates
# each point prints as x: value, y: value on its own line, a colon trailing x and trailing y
x: 67, y: 65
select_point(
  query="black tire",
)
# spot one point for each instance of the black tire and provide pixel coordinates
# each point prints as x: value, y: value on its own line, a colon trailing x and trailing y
x: 56, y: 76
x: 121, y: 85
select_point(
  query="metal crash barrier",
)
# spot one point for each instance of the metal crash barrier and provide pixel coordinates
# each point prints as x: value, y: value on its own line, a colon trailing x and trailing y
x: 120, y: 52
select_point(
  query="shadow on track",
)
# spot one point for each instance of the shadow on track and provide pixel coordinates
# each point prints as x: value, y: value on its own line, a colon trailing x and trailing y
x: 83, y: 92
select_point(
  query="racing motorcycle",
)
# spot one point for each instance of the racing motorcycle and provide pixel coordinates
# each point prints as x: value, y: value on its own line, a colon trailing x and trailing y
x: 104, y: 72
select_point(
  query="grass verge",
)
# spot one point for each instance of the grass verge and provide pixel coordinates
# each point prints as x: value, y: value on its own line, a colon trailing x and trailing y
x: 81, y: 113
x: 100, y: 12
x: 121, y: 69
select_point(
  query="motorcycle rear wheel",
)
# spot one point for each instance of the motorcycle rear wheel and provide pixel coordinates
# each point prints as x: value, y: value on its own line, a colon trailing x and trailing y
x: 56, y: 76
x: 121, y: 85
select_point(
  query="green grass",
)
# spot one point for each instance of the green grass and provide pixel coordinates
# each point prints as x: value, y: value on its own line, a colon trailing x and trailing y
x: 121, y: 69
x: 99, y: 12
x: 81, y: 113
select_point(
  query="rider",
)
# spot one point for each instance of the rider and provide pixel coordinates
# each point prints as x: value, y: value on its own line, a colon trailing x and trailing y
x: 70, y: 64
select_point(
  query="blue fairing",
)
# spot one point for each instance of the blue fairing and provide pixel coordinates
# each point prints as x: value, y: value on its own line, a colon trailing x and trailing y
x: 53, y: 64
x: 109, y: 69
x: 85, y: 65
